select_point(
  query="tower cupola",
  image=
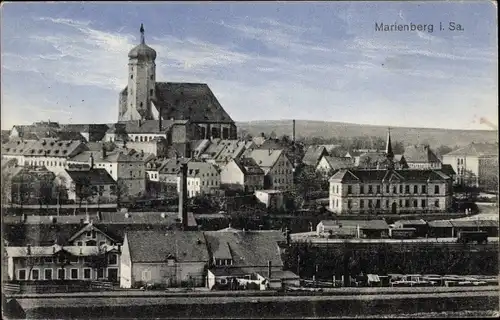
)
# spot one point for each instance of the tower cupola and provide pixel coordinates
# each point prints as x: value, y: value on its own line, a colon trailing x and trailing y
x: 142, y: 51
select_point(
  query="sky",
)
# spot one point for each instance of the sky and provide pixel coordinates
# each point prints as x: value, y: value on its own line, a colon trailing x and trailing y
x: 322, y: 61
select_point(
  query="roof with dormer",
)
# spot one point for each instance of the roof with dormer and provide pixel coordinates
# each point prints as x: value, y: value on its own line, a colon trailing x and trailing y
x: 372, y: 175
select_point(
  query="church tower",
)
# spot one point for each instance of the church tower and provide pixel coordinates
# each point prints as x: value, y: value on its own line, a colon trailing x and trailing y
x: 388, y: 150
x: 141, y: 82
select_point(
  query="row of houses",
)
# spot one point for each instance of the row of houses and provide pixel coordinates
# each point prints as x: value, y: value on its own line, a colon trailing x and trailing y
x: 132, y: 250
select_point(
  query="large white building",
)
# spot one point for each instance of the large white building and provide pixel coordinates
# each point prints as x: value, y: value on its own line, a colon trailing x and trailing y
x: 389, y: 191
x: 475, y: 165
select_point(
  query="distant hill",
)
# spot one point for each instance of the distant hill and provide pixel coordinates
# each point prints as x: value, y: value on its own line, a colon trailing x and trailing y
x: 433, y: 137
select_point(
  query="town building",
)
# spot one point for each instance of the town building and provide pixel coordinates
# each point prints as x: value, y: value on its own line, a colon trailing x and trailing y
x: 202, y: 178
x: 240, y: 258
x: 242, y: 174
x: 328, y: 164
x: 177, y: 101
x: 421, y: 157
x: 92, y: 185
x: 475, y: 165
x: 314, y: 154
x: 390, y: 191
x: 172, y: 258
x: 28, y: 185
x: 277, y: 168
x: 272, y: 199
x: 127, y: 168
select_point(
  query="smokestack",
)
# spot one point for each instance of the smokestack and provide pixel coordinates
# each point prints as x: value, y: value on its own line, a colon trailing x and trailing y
x: 159, y: 120
x: 293, y: 131
x: 269, y: 269
x: 183, y: 196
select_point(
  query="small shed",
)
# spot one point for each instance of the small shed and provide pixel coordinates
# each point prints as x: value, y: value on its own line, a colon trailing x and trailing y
x: 440, y: 229
x: 420, y: 226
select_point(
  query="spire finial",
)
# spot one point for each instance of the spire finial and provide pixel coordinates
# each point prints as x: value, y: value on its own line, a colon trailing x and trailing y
x: 142, y: 34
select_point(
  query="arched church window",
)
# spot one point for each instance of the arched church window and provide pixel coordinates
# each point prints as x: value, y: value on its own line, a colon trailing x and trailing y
x: 141, y: 104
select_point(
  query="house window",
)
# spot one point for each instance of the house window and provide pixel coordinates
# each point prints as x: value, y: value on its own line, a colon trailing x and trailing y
x: 400, y: 203
x: 394, y: 189
x: 21, y: 274
x: 387, y: 203
x: 100, y: 273
x: 377, y: 205
x: 48, y: 274
x: 113, y: 259
x: 407, y: 189
x: 349, y: 189
x: 337, y: 189
x: 400, y: 188
x: 370, y: 203
x: 48, y: 260
x: 91, y: 243
x: 101, y: 243
x: 79, y: 243
x: 61, y: 274
x: 387, y: 189
x: 146, y: 275
x: 35, y: 274
x: 436, y: 189
x: 361, y: 203
x: 415, y: 203
x: 378, y: 189
x: 73, y: 259
x: 407, y: 203
x: 349, y: 204
x: 94, y: 235
x: 370, y: 189
x: 89, y: 234
x: 87, y: 273
x: 415, y: 189
x: 74, y: 273
x: 424, y: 189
x: 423, y: 204
x: 436, y: 203
x: 131, y: 77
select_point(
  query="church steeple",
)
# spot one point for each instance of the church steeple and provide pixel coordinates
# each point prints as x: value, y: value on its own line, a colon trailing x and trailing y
x: 143, y: 41
x: 388, y: 151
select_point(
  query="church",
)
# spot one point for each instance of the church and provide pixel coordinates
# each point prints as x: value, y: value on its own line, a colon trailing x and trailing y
x: 193, y: 103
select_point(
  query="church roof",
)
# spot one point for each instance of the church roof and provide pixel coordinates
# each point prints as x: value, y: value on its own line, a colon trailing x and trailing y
x: 420, y: 154
x: 142, y: 51
x: 194, y: 101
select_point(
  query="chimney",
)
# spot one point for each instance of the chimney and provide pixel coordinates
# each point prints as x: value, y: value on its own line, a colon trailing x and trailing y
x: 269, y: 269
x: 183, y: 196
x: 91, y: 161
x: 293, y: 131
x: 28, y: 249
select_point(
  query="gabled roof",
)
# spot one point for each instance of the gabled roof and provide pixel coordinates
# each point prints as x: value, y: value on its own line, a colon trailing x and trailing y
x: 420, y: 154
x: 53, y: 148
x: 116, y: 155
x: 145, y: 126
x: 411, y: 222
x: 248, y: 166
x: 476, y: 149
x: 247, y: 248
x: 91, y: 227
x: 94, y: 177
x: 44, y: 251
x: 194, y: 101
x: 172, y: 166
x: 313, y: 155
x: 157, y: 246
x: 16, y: 147
x: 266, y: 159
x: 339, y: 163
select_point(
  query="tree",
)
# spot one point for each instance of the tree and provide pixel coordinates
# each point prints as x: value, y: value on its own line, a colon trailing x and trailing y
x: 6, y: 186
x: 82, y: 189
x: 307, y: 180
x: 120, y: 191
